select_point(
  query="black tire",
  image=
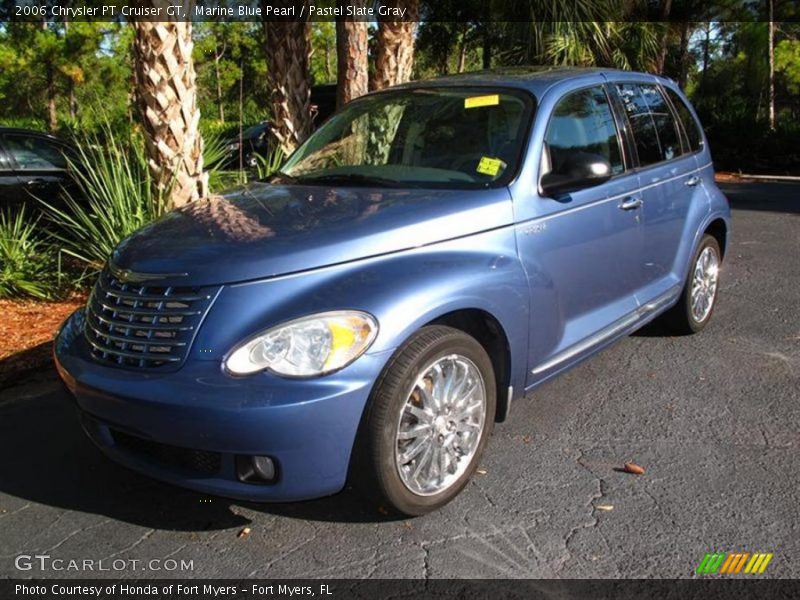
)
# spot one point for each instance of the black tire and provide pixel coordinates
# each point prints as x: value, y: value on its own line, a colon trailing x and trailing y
x: 680, y: 319
x: 374, y: 471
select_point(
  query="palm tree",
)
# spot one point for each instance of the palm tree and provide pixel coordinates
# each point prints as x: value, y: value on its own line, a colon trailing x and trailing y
x: 771, y: 51
x: 288, y: 48
x: 166, y: 97
x: 582, y: 32
x: 666, y: 7
x: 623, y: 45
x: 394, y: 58
x: 351, y: 57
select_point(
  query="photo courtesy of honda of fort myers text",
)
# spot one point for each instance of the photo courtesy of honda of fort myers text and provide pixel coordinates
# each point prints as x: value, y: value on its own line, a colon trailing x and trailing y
x: 166, y: 589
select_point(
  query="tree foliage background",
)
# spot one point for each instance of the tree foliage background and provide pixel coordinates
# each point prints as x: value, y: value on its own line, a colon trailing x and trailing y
x: 69, y: 76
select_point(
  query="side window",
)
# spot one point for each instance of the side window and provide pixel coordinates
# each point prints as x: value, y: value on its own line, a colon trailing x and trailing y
x: 654, y: 129
x: 690, y: 126
x: 32, y: 153
x: 583, y: 122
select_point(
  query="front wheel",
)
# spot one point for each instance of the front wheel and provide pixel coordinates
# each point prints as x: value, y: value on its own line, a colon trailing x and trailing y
x: 427, y: 423
x: 693, y: 311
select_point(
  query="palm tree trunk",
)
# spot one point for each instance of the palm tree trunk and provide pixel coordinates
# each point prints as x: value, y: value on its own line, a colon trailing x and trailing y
x: 52, y: 113
x: 486, y: 58
x: 666, y: 8
x: 351, y: 58
x: 288, y: 48
x: 394, y: 60
x: 683, y: 71
x: 73, y: 102
x: 328, y: 71
x: 166, y: 97
x: 462, y: 50
x: 706, y: 57
x: 771, y: 65
x: 220, y: 103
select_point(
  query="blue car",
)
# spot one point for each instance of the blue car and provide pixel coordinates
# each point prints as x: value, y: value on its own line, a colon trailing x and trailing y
x: 424, y: 260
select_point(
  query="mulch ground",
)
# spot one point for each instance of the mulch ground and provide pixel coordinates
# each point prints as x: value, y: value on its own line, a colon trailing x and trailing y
x: 728, y: 177
x: 27, y: 328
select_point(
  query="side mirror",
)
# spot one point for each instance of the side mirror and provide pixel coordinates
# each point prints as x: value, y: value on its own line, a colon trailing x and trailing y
x: 580, y: 170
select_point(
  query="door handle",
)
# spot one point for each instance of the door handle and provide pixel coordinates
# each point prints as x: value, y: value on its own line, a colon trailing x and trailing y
x: 630, y: 203
x: 693, y: 181
x: 35, y: 182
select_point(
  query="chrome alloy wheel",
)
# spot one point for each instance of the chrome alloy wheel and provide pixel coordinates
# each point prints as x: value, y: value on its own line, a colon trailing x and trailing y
x: 704, y: 284
x: 440, y: 425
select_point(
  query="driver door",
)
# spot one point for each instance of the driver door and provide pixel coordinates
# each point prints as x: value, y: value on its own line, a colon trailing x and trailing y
x: 582, y: 253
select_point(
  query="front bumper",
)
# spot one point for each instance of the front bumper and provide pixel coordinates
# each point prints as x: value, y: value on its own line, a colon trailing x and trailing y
x: 207, y: 418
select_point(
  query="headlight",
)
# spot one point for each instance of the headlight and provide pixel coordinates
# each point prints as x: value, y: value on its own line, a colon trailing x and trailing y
x: 234, y: 146
x: 306, y: 347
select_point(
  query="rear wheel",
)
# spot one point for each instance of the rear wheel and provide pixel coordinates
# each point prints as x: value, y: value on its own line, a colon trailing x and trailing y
x: 696, y: 304
x: 427, y: 422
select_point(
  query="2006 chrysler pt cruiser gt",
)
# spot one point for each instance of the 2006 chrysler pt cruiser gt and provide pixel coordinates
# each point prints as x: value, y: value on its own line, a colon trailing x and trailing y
x: 429, y: 255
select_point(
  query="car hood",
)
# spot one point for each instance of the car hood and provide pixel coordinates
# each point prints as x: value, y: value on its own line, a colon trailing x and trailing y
x: 266, y: 230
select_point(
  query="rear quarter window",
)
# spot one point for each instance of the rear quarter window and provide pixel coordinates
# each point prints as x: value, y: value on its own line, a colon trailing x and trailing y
x: 688, y: 122
x: 654, y: 129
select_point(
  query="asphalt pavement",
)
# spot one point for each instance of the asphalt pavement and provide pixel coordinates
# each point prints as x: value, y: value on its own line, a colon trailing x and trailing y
x: 713, y: 418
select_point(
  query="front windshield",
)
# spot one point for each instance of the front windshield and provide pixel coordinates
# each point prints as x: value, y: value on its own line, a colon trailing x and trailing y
x: 436, y: 137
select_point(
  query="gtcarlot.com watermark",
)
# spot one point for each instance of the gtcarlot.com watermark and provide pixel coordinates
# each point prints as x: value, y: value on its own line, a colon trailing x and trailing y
x: 45, y: 562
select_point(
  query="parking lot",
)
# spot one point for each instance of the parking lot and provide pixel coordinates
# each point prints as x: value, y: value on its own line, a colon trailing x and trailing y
x: 713, y: 418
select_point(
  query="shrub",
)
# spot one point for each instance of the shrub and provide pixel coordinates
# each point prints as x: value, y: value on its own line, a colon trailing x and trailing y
x: 26, y: 260
x: 269, y: 165
x: 116, y: 197
x: 215, y: 150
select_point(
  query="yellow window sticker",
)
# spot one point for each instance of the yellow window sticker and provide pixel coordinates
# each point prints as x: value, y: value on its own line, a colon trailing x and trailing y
x: 478, y: 101
x: 490, y: 166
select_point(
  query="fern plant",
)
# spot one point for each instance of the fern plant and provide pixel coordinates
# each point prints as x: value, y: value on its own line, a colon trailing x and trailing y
x: 26, y: 260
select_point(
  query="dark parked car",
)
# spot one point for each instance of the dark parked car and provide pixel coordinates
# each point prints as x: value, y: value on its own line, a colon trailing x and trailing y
x: 243, y: 151
x: 32, y: 165
x: 427, y: 258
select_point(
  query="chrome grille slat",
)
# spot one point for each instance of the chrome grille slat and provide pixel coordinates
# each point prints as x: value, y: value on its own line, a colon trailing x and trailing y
x: 137, y: 341
x: 142, y: 326
x: 152, y: 298
x: 135, y: 355
x: 150, y: 312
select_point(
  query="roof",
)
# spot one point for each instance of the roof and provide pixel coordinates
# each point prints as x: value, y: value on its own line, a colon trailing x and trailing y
x: 536, y: 79
x: 31, y: 132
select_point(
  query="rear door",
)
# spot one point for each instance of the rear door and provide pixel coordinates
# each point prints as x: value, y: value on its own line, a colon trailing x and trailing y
x: 669, y: 182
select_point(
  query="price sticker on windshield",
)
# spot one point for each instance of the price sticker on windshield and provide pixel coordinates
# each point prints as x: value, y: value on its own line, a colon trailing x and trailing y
x: 478, y: 101
x: 490, y: 166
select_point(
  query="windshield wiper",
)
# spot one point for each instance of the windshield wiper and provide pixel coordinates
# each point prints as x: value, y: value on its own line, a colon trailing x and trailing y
x: 352, y: 178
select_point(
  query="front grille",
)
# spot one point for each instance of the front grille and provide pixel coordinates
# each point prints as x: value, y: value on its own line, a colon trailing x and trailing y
x: 143, y: 326
x: 198, y: 461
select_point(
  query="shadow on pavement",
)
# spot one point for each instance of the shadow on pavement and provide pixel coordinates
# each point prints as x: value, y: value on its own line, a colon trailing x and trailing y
x: 18, y: 366
x: 49, y: 460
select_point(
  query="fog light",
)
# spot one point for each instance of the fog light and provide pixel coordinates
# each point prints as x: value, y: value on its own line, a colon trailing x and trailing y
x: 255, y: 469
x: 264, y: 466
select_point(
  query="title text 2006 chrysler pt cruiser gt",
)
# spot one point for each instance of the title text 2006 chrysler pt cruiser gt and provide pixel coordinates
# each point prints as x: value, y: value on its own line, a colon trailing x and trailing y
x: 428, y: 256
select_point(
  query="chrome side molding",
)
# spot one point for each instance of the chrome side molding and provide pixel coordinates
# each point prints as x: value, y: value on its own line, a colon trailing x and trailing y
x: 610, y: 331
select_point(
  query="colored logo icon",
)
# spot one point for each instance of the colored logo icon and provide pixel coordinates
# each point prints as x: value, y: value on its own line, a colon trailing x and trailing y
x: 731, y: 563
